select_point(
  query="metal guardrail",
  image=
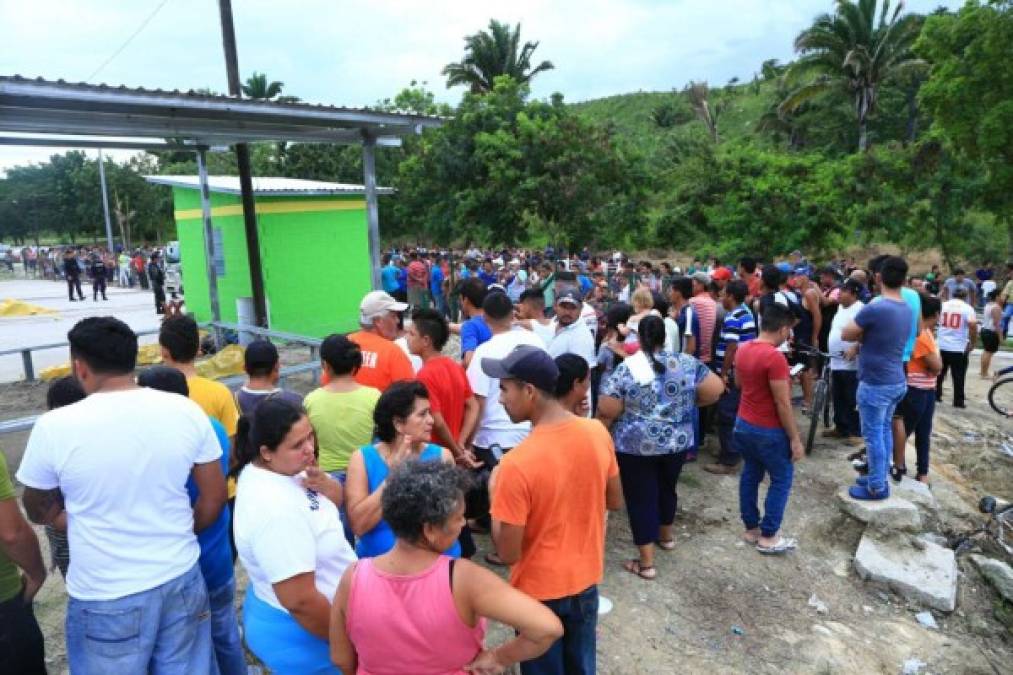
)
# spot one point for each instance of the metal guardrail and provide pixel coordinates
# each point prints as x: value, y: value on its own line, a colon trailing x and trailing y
x: 28, y: 366
x: 233, y: 382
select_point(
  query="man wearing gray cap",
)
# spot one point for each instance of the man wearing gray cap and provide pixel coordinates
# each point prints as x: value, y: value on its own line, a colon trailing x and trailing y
x: 549, y: 497
x: 572, y: 334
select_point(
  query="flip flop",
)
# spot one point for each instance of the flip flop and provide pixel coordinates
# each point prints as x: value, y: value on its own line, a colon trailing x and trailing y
x: 494, y: 559
x: 666, y: 544
x: 781, y: 547
x: 750, y: 540
x: 647, y: 573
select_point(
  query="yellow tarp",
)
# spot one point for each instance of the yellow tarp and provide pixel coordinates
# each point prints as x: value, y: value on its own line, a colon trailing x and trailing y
x: 229, y: 361
x: 54, y: 372
x: 11, y: 307
x: 149, y: 355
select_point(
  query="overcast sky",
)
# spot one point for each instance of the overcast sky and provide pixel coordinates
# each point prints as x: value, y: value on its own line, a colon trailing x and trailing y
x: 357, y: 52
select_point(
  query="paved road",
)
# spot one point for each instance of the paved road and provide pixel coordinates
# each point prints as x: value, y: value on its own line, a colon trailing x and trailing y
x: 135, y: 307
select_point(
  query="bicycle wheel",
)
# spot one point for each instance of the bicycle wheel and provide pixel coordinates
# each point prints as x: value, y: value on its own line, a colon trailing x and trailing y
x: 1000, y: 397
x: 819, y: 402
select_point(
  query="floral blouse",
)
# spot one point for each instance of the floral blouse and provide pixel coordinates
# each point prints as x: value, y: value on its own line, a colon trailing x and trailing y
x: 657, y: 418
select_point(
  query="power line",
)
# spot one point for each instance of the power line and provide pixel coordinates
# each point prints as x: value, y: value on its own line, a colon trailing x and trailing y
x: 130, y: 39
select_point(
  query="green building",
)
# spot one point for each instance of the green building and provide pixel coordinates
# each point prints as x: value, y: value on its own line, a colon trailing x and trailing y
x: 314, y: 247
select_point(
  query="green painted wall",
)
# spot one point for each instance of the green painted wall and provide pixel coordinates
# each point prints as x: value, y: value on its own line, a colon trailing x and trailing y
x: 316, y: 263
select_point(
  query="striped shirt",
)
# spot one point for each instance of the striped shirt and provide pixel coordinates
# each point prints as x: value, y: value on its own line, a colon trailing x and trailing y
x: 738, y: 327
x: 706, y: 312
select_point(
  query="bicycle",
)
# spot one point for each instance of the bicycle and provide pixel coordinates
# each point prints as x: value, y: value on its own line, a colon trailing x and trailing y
x: 1001, y: 399
x: 821, y: 394
x: 998, y: 529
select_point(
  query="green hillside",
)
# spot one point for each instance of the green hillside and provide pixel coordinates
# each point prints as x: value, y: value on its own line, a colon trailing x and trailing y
x: 630, y: 114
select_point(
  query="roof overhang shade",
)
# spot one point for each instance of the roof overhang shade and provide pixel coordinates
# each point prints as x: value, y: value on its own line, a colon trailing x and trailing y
x: 45, y: 107
x: 267, y: 187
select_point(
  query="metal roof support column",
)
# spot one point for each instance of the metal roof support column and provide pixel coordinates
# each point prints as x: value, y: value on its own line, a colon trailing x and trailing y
x: 209, y: 242
x: 372, y: 208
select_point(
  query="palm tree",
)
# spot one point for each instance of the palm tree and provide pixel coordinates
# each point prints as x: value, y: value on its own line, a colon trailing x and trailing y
x: 699, y: 95
x: 257, y: 86
x: 488, y: 54
x: 854, y: 51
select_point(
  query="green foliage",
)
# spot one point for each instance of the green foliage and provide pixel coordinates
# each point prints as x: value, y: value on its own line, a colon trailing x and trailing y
x: 970, y: 90
x: 852, y: 51
x: 505, y: 169
x: 491, y: 54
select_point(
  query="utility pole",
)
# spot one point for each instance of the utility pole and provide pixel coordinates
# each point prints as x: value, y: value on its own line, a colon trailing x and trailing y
x: 105, y: 201
x: 243, y: 161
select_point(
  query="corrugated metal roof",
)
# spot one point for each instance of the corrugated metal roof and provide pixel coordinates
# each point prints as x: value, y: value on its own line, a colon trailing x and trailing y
x: 40, y: 106
x: 204, y: 96
x: 276, y: 187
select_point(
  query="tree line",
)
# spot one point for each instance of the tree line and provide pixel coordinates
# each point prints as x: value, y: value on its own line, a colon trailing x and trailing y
x: 888, y: 127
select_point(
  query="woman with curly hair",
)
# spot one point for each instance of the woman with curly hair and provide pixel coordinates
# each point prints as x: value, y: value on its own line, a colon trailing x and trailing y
x: 414, y: 609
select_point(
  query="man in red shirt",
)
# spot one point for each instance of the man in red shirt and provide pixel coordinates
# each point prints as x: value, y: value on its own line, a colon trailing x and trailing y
x: 451, y: 401
x: 418, y: 281
x: 765, y: 431
x: 747, y: 272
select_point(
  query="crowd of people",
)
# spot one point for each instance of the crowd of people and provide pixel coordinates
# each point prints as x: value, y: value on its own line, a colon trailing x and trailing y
x: 582, y: 385
x: 143, y: 267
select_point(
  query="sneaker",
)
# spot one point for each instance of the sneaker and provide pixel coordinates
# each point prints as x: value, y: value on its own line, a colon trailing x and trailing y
x: 861, y: 466
x: 721, y: 469
x: 863, y: 492
x: 897, y: 473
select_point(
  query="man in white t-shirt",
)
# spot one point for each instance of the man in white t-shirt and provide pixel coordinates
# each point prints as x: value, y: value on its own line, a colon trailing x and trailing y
x: 844, y: 367
x: 495, y: 433
x: 117, y: 464
x: 956, y: 335
x: 572, y: 334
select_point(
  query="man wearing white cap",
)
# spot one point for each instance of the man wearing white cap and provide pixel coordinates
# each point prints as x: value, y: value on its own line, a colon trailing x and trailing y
x: 383, y: 362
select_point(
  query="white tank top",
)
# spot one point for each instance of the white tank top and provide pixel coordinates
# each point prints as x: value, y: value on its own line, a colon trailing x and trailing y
x: 987, y: 323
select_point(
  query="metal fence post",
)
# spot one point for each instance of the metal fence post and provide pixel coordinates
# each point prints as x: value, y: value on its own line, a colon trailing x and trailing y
x: 26, y: 361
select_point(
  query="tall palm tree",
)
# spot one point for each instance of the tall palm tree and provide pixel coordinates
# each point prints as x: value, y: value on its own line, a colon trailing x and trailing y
x: 257, y: 86
x: 488, y: 54
x: 853, y: 50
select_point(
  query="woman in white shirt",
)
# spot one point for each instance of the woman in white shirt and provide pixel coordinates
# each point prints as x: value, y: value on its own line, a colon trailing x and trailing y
x: 289, y: 538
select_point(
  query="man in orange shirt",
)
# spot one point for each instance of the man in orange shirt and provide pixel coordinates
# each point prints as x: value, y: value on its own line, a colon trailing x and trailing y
x: 383, y: 362
x: 549, y: 497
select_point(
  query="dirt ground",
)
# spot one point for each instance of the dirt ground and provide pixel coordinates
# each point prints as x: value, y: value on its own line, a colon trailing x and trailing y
x: 717, y: 606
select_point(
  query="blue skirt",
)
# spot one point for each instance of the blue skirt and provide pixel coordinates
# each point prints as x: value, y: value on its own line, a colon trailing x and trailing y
x: 277, y: 639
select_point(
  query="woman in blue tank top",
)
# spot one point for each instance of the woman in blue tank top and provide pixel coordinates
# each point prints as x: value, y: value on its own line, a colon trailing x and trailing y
x: 404, y: 424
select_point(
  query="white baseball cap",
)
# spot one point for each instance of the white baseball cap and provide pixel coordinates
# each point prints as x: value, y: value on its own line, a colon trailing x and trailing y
x: 376, y: 303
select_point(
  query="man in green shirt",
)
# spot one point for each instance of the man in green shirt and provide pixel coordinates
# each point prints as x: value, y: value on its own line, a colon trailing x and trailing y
x: 21, y: 646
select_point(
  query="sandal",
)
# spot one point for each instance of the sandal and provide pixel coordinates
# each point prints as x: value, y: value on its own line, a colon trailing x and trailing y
x: 647, y: 572
x: 494, y: 559
x: 666, y: 544
x: 782, y: 546
x: 750, y: 539
x: 897, y: 473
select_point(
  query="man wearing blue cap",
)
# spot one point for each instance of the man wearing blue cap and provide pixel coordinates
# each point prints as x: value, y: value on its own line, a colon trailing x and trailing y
x: 549, y: 497
x: 572, y: 335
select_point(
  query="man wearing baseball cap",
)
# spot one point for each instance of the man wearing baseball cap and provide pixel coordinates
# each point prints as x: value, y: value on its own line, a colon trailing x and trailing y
x: 549, y: 497
x: 383, y: 362
x: 572, y: 334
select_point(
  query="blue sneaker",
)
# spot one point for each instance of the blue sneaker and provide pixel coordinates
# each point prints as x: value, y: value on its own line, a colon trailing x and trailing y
x: 862, y: 480
x: 863, y: 492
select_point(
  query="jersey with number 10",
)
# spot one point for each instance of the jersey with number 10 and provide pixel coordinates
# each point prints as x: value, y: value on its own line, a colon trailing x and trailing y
x: 954, y: 325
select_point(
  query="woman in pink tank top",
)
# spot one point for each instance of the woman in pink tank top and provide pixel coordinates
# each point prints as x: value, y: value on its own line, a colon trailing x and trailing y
x: 415, y: 610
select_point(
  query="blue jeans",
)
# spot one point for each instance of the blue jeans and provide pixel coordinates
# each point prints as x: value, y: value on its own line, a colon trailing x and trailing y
x: 225, y: 630
x: 163, y: 630
x: 764, y: 451
x: 575, y: 652
x: 876, y: 405
x: 1007, y: 314
x: 346, y: 524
